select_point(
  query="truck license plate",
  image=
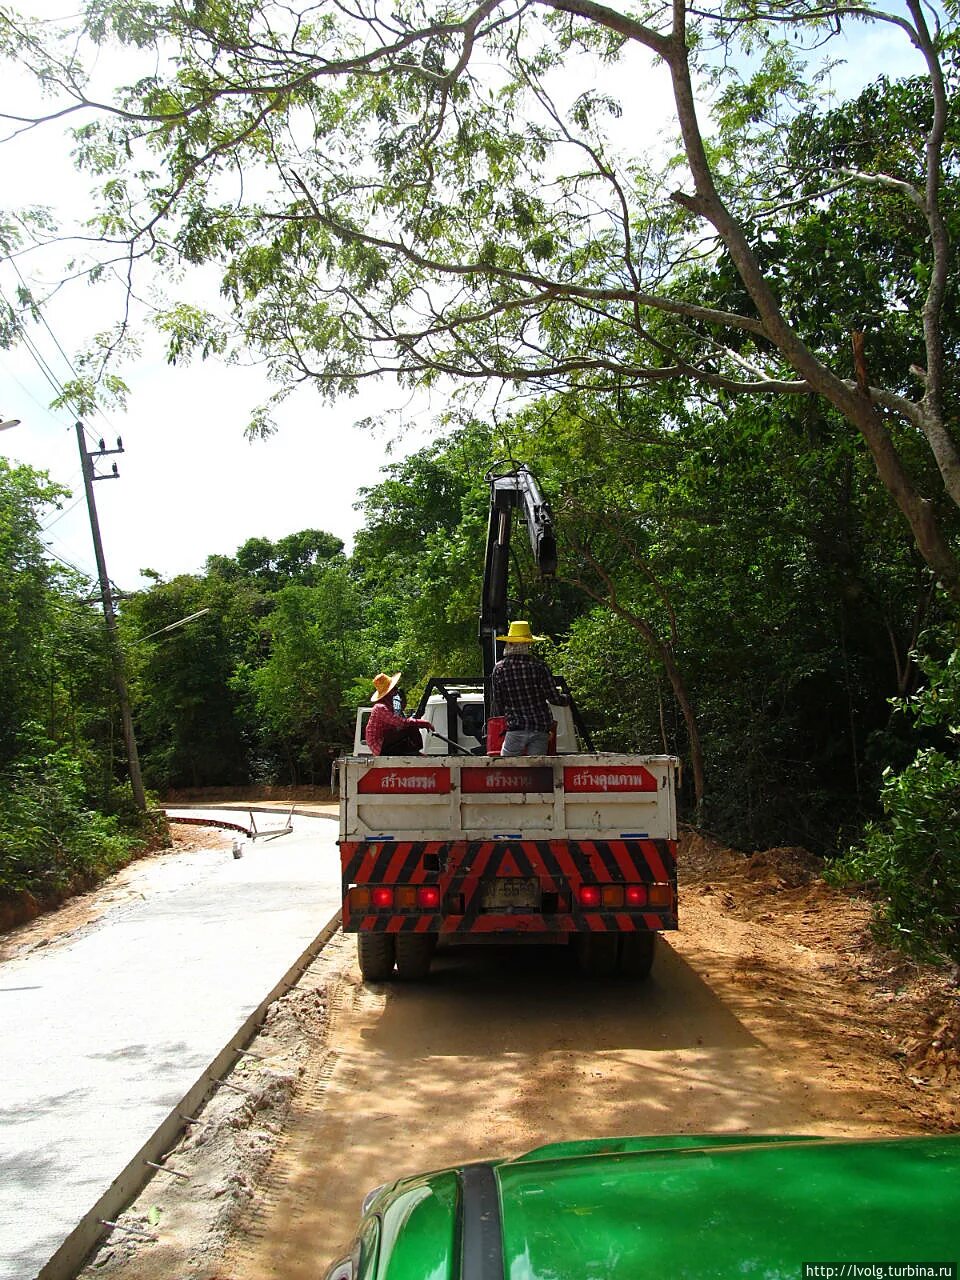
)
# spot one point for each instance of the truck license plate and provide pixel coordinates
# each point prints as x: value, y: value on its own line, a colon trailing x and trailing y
x: 507, y: 892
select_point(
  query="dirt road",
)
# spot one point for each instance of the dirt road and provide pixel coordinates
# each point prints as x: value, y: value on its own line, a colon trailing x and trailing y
x: 771, y: 1010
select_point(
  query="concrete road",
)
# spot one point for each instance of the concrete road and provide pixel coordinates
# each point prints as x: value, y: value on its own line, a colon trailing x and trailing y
x: 103, y: 1035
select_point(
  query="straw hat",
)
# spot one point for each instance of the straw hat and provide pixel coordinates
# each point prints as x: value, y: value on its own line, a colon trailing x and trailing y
x: 520, y: 633
x: 383, y: 685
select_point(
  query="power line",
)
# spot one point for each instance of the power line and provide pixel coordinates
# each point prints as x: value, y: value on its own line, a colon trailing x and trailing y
x: 82, y: 572
x: 47, y: 527
x: 31, y: 347
x: 43, y: 320
x: 69, y: 363
x: 38, y: 358
x: 44, y: 408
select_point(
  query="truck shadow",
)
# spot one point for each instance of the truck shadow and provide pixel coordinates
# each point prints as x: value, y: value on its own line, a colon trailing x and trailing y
x: 523, y: 999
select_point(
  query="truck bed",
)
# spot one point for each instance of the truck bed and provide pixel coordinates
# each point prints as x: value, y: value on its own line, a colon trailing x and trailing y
x: 460, y: 797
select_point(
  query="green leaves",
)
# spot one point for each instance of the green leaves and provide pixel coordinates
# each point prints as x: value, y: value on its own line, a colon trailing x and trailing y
x: 51, y: 842
x: 318, y: 653
x: 427, y: 196
x: 56, y: 700
x: 190, y: 329
x: 28, y: 585
x: 912, y: 857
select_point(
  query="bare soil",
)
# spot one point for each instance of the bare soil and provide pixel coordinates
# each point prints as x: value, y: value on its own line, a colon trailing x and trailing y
x: 771, y: 1010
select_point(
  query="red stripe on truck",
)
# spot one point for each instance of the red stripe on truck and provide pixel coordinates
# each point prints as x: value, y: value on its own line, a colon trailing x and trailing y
x: 606, y: 778
x: 655, y: 862
x: 496, y: 779
x: 404, y: 781
x: 401, y: 852
x: 625, y: 863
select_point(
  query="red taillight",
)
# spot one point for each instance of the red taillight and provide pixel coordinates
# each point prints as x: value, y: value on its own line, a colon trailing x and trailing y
x: 635, y: 895
x: 381, y: 896
x: 428, y: 895
x: 589, y: 895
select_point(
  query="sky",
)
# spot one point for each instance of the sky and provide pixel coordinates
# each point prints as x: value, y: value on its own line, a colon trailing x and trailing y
x: 190, y: 484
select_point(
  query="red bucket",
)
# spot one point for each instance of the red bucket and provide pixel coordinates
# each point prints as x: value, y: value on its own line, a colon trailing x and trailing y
x: 496, y: 732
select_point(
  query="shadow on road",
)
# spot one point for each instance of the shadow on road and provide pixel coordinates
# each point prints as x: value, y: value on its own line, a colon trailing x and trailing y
x: 520, y: 998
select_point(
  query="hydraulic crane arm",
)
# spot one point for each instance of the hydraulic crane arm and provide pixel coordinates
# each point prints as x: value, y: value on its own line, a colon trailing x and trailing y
x: 508, y: 490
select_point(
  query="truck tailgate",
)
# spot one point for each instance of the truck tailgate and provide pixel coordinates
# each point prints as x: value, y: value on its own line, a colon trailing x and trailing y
x: 540, y: 797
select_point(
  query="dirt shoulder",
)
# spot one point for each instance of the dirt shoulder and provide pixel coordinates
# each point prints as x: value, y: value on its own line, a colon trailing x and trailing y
x: 771, y: 1010
x: 795, y: 959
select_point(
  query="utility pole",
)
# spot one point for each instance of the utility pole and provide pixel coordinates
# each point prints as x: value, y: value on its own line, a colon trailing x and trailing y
x: 109, y: 616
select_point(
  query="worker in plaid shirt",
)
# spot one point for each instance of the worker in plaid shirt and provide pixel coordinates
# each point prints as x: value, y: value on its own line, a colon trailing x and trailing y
x: 523, y: 689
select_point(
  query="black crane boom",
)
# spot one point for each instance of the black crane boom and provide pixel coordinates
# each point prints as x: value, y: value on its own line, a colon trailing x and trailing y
x: 509, y: 490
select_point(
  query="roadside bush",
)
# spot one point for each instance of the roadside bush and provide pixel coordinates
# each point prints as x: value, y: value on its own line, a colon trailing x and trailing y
x: 912, y: 857
x: 51, y: 841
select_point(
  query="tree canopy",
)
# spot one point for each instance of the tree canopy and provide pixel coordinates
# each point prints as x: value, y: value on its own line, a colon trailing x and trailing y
x: 445, y: 191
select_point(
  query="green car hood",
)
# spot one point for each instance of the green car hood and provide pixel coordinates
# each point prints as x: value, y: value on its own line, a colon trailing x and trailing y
x: 690, y: 1211
x: 675, y: 1208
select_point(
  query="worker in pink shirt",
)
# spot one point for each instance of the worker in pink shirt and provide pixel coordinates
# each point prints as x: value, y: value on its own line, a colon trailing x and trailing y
x: 389, y: 732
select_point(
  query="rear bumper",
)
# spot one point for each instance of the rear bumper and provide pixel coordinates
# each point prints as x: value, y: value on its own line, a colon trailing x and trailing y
x: 558, y: 868
x: 532, y: 926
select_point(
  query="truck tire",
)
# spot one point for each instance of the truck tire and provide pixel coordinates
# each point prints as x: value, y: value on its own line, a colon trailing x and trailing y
x: 597, y: 954
x: 636, y: 955
x: 376, y: 953
x: 414, y: 953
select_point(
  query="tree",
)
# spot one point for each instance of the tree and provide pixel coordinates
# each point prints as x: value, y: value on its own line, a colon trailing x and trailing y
x: 189, y: 726
x: 912, y: 855
x: 413, y: 210
x: 756, y: 600
x: 28, y: 602
x: 298, y: 557
x: 318, y: 655
x: 202, y: 714
x: 419, y: 556
x: 56, y: 722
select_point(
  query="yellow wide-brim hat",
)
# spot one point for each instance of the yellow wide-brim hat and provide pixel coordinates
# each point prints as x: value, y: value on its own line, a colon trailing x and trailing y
x: 383, y: 685
x: 520, y: 633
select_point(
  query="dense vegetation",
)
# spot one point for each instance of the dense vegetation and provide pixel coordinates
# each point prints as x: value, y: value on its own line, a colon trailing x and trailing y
x: 739, y: 353
x: 718, y: 586
x: 65, y: 818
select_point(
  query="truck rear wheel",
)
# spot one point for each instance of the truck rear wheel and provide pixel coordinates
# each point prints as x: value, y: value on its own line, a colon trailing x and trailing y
x: 376, y: 953
x: 597, y: 954
x: 414, y: 954
x: 636, y: 955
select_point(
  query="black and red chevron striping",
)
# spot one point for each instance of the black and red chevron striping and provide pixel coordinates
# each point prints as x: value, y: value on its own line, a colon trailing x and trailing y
x: 461, y: 868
